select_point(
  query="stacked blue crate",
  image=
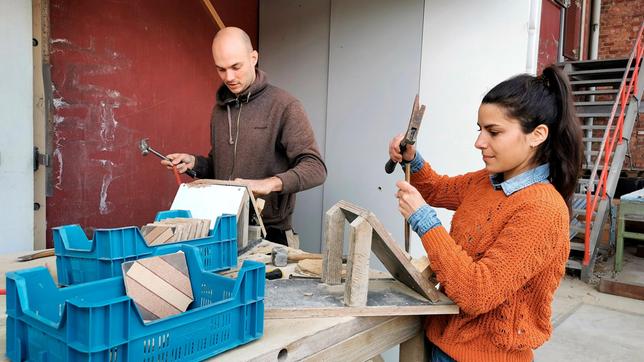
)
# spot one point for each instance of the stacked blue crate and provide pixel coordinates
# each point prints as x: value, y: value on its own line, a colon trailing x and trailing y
x: 80, y: 260
x: 97, y: 321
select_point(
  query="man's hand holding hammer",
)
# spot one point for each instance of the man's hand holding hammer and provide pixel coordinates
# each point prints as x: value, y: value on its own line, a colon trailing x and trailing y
x: 182, y: 161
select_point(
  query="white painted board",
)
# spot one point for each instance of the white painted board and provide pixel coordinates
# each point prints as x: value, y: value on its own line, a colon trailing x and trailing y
x: 209, y: 201
x: 17, y: 136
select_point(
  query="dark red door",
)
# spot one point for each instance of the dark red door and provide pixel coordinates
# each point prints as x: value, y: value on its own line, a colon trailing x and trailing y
x: 549, y: 34
x: 121, y: 71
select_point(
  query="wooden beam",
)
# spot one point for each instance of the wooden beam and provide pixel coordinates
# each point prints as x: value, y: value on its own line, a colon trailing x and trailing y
x: 368, y: 344
x: 40, y: 31
x: 630, y: 290
x: 242, y: 222
x: 213, y: 14
x: 413, y: 350
x: 357, y: 285
x: 332, y: 248
x: 292, y: 240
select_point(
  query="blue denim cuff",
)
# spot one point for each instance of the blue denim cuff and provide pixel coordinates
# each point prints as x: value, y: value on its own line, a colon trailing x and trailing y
x: 423, y: 220
x: 417, y: 163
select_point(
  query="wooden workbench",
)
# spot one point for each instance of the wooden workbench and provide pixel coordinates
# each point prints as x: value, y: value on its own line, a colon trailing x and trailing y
x: 315, y: 339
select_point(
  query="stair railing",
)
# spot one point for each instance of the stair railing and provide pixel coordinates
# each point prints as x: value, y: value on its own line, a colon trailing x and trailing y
x: 607, y: 146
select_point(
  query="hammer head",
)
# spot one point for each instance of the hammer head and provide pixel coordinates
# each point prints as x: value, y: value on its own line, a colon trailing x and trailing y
x: 143, y: 146
x: 279, y: 256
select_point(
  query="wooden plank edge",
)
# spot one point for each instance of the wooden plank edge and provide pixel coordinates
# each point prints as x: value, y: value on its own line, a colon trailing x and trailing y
x: 213, y: 14
x: 622, y: 289
x: 367, y: 344
x: 360, y: 311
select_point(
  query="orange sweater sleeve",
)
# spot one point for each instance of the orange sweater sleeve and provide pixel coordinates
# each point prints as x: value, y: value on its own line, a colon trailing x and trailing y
x: 523, y: 248
x: 440, y: 190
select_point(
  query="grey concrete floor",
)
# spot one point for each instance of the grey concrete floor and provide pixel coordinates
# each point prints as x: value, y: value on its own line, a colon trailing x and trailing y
x: 593, y: 326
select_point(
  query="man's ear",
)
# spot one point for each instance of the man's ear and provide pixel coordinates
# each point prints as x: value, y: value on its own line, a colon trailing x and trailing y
x: 254, y: 56
x: 538, y: 135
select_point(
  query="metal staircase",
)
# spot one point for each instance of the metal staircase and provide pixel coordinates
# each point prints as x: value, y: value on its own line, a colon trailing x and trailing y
x: 607, y: 96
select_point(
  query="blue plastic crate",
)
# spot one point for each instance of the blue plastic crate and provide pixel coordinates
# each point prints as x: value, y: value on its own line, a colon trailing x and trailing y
x: 97, y: 321
x: 80, y: 260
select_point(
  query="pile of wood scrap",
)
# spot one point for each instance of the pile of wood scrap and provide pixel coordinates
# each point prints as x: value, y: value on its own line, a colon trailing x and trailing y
x: 174, y: 230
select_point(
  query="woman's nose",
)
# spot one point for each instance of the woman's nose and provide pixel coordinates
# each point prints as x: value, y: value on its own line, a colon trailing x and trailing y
x: 480, y: 142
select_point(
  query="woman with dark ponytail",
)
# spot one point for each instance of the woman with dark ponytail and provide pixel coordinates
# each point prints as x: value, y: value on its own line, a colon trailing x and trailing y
x: 507, y: 248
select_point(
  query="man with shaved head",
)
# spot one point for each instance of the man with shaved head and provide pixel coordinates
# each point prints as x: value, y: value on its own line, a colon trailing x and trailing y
x: 260, y: 135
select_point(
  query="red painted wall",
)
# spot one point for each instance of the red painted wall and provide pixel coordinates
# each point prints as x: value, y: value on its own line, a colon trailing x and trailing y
x: 548, y: 34
x: 121, y: 71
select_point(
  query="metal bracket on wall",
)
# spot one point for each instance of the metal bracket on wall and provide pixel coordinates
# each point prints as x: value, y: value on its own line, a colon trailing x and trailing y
x: 564, y: 3
x: 40, y: 159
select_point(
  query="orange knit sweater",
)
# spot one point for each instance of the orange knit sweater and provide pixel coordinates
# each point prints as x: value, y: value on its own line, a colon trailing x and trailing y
x: 501, y: 263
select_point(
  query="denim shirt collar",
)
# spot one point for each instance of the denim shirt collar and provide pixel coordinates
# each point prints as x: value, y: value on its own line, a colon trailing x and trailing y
x: 519, y: 182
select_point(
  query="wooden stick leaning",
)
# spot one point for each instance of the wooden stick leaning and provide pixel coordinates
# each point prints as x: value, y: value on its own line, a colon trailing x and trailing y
x: 407, y: 178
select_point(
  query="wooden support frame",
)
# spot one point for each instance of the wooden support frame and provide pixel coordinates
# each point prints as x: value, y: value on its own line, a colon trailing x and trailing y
x: 396, y: 261
x: 360, y: 296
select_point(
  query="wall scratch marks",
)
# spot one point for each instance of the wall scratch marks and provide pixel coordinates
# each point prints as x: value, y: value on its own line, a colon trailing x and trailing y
x: 108, y: 125
x: 59, y: 103
x: 57, y: 153
x: 59, y: 40
x: 105, y: 207
x: 59, y: 176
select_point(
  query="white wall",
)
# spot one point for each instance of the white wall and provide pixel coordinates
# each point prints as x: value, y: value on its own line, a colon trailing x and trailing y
x: 16, y: 122
x: 370, y: 52
x: 294, y: 51
x: 468, y: 47
x: 374, y: 71
x: 355, y: 64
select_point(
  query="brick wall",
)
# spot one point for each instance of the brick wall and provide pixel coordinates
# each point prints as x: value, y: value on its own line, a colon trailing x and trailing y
x: 620, y: 21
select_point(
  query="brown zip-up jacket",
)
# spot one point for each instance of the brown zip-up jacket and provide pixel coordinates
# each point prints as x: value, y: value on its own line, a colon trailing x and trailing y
x: 261, y: 133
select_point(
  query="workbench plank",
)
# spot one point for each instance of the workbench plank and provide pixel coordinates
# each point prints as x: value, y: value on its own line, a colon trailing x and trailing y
x: 372, y: 342
x: 303, y: 298
x: 296, y: 339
